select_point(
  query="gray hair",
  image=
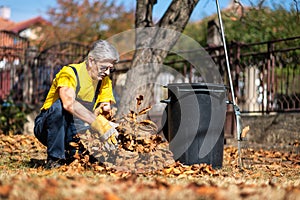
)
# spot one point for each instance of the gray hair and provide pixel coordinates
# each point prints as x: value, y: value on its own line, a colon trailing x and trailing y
x: 101, y: 50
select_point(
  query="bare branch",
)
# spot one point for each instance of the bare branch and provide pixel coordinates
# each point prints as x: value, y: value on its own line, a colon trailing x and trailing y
x: 144, y: 13
x: 177, y: 15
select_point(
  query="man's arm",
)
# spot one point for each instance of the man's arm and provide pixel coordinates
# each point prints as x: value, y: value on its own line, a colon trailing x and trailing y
x: 100, y: 123
x: 67, y: 96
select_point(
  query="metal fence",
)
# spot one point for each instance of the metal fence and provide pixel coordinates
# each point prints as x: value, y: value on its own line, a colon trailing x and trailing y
x: 266, y: 75
x: 47, y: 63
x: 12, y: 58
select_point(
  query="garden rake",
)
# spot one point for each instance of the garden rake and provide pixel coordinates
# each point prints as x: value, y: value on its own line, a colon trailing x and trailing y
x: 240, y: 131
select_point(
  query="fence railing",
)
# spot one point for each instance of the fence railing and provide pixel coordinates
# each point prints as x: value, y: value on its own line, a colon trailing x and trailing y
x: 12, y: 58
x: 266, y: 75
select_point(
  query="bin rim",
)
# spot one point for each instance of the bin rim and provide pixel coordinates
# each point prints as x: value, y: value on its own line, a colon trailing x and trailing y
x: 204, y: 85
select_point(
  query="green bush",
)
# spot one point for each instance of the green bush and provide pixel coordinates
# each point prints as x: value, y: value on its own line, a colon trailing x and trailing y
x: 12, y: 117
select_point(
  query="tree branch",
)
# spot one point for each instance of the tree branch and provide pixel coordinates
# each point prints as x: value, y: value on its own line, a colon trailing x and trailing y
x: 178, y: 14
x: 144, y: 13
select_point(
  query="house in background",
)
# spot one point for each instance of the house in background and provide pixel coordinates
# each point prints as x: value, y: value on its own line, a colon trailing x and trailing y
x: 14, y: 40
x: 27, y: 28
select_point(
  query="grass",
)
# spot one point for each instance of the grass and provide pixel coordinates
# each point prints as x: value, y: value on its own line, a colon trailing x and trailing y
x: 266, y: 178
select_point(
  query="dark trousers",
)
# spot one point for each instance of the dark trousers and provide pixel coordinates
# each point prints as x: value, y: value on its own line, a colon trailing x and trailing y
x: 56, y: 128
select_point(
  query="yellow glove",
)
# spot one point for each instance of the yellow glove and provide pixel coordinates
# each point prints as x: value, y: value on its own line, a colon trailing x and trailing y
x: 101, y: 125
x: 107, y: 130
x: 112, y: 139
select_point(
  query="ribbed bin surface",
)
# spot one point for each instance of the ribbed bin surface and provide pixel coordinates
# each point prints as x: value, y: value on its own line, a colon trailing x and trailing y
x: 195, y: 122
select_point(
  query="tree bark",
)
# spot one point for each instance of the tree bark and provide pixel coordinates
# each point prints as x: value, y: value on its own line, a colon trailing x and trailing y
x: 153, y: 42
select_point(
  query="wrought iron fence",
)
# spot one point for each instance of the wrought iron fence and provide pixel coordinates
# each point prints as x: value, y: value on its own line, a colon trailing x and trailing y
x: 47, y: 63
x: 266, y: 75
x: 12, y: 57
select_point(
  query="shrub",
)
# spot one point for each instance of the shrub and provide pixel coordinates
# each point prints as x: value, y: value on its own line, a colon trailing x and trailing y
x: 12, y: 117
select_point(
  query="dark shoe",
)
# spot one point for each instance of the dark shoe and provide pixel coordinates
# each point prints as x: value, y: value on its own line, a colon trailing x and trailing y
x: 69, y: 160
x: 92, y: 159
x: 36, y: 163
x: 54, y: 163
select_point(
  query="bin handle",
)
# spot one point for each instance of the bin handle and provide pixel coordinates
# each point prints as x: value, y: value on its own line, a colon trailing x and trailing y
x: 167, y: 101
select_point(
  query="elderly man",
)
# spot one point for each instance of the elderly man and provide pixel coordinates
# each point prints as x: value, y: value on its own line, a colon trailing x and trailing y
x: 73, y: 102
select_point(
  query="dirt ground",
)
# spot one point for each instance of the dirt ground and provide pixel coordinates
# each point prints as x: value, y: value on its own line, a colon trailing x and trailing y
x: 266, y: 174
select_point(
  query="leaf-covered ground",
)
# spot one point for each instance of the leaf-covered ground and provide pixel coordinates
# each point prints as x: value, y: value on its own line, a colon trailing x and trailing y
x: 266, y: 175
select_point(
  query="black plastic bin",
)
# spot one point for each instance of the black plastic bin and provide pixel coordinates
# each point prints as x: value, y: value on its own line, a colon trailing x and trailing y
x: 195, y: 122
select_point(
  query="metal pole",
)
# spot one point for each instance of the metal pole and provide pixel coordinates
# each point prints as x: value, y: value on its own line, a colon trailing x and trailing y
x: 225, y: 52
x: 235, y: 106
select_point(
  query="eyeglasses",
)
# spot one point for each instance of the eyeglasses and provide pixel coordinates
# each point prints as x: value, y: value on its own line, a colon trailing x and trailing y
x: 104, y: 68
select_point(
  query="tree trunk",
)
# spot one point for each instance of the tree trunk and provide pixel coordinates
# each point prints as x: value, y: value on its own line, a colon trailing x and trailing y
x: 153, y: 43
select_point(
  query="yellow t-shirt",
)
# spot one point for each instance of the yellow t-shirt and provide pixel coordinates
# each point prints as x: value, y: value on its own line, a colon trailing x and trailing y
x: 67, y: 78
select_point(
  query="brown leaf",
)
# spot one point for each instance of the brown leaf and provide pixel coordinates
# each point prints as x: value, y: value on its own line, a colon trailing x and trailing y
x: 206, y: 190
x: 139, y: 99
x: 168, y: 170
x: 245, y: 131
x: 148, y: 122
x: 145, y: 110
x: 132, y: 116
x: 73, y: 144
x: 5, y: 190
x: 176, y: 171
x: 111, y: 196
x: 161, y: 183
x: 189, y: 172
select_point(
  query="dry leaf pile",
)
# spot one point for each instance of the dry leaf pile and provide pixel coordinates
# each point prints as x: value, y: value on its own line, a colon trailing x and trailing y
x: 183, y: 171
x: 252, y: 157
x: 140, y: 148
x: 272, y: 175
x: 17, y: 144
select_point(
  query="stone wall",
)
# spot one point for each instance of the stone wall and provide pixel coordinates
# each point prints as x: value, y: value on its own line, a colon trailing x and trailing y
x: 274, y: 131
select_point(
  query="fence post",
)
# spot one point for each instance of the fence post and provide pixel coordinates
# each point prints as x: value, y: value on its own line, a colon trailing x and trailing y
x: 270, y: 77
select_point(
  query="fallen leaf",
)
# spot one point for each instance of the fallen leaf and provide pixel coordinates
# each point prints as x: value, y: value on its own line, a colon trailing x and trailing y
x: 5, y: 190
